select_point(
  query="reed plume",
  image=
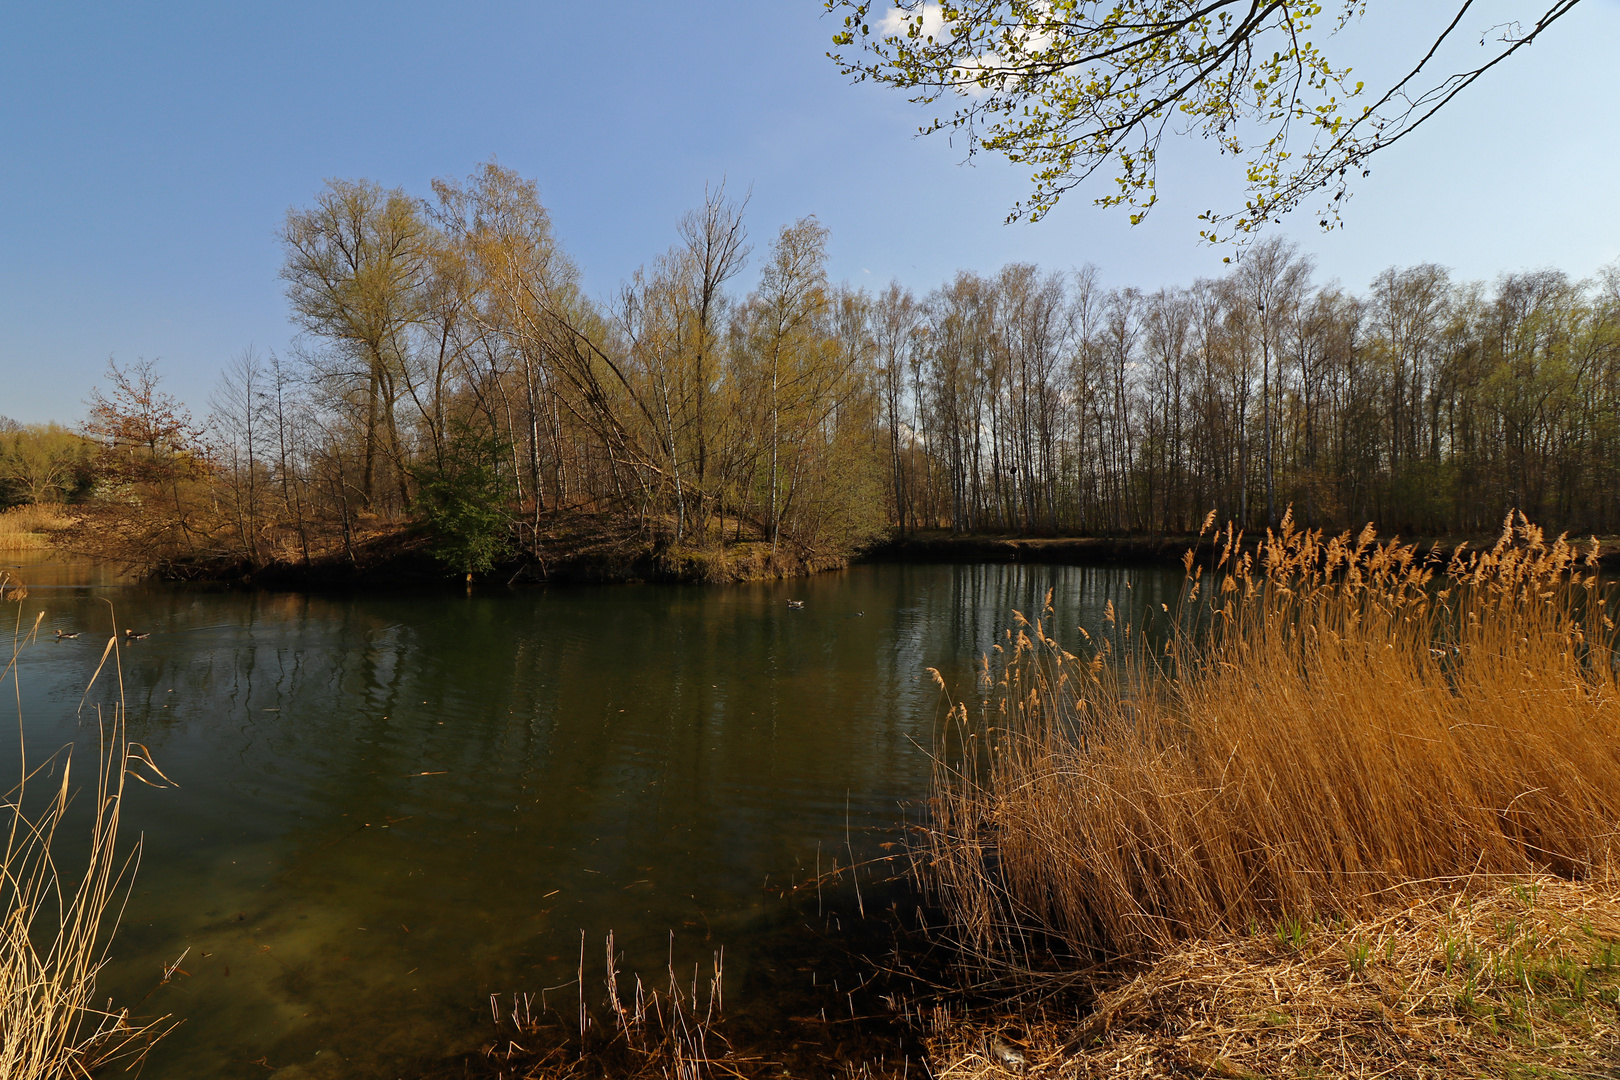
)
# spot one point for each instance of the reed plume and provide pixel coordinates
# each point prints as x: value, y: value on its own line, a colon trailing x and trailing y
x: 1326, y: 725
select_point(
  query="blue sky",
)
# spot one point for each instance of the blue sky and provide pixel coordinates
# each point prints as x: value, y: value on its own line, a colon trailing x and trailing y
x: 148, y: 153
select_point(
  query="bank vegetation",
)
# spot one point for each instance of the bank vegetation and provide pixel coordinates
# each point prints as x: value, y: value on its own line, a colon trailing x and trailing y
x: 455, y: 398
x: 1351, y: 811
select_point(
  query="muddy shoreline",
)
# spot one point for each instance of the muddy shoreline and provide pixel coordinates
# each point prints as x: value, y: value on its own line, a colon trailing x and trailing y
x: 1164, y: 550
x: 402, y: 558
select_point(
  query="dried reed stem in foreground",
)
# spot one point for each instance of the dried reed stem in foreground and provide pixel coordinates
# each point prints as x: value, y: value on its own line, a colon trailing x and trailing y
x: 55, y: 930
x: 647, y: 1033
x: 1334, y: 723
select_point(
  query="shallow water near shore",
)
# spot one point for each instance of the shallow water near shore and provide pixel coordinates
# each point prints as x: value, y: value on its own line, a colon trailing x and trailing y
x: 391, y: 806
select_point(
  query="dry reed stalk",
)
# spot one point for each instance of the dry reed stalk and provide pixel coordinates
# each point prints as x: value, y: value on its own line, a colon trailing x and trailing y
x: 1340, y: 722
x: 1521, y: 980
x: 55, y: 930
x: 652, y: 1034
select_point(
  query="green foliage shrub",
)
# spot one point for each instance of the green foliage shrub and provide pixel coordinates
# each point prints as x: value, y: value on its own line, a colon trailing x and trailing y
x: 462, y: 501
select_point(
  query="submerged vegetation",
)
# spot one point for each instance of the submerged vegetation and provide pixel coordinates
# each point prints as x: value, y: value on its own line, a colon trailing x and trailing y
x: 1351, y: 791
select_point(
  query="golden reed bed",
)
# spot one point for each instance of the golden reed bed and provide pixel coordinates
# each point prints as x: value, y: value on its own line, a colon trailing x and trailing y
x: 24, y: 528
x: 1253, y: 829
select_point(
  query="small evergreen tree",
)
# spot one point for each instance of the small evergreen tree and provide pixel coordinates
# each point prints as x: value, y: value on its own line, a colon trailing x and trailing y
x: 462, y: 501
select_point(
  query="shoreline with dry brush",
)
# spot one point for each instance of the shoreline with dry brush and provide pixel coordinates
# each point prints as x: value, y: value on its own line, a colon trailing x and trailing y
x: 1350, y: 812
x: 33, y: 526
x: 1345, y: 814
x: 573, y: 547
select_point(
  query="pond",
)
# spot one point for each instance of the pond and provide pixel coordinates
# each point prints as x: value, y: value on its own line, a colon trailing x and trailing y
x: 390, y: 806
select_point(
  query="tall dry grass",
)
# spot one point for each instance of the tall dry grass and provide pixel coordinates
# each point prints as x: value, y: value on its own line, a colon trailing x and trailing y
x: 56, y: 925
x: 30, y: 526
x: 1324, y: 723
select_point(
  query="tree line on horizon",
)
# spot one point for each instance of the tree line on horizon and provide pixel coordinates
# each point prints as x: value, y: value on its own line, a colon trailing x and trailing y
x: 451, y: 372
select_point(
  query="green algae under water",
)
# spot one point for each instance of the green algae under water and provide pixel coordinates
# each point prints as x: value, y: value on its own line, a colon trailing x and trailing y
x: 391, y: 806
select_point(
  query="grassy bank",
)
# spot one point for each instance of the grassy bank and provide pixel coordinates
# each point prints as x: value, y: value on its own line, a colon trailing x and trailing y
x: 1510, y: 980
x: 572, y: 546
x: 568, y: 545
x: 32, y: 527
x: 1333, y: 749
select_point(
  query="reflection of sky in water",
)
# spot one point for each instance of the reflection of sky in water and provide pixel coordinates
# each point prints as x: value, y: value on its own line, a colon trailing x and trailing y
x: 391, y: 806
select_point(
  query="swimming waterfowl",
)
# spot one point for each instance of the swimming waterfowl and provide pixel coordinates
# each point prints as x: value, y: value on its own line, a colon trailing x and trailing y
x: 795, y: 604
x: 63, y: 637
x: 135, y: 635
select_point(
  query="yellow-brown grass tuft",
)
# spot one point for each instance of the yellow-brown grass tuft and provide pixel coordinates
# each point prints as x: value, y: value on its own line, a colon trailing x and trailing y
x: 30, y: 526
x: 1329, y: 726
x: 1516, y: 981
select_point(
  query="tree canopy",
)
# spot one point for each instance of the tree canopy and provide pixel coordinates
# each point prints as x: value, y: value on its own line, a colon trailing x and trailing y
x: 1071, y: 87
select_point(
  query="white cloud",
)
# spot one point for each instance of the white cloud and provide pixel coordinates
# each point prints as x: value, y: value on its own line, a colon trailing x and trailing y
x: 896, y: 21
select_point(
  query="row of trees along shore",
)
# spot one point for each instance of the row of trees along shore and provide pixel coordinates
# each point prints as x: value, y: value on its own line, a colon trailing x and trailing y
x: 452, y: 371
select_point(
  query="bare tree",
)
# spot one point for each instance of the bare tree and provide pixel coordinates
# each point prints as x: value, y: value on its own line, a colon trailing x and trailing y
x: 237, y: 415
x: 356, y: 262
x: 716, y: 244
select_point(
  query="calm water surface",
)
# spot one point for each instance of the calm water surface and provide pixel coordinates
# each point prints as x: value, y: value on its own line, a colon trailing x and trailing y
x: 391, y: 806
